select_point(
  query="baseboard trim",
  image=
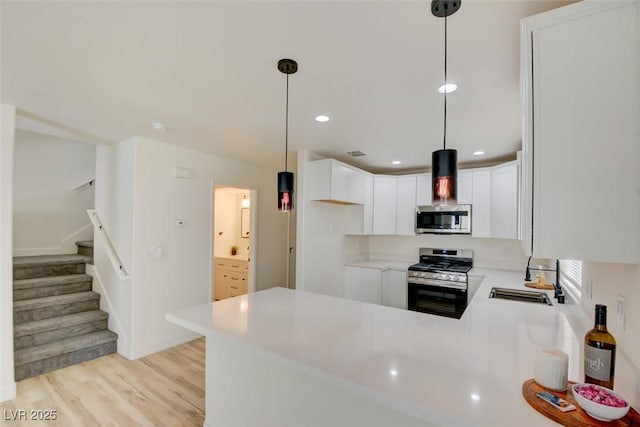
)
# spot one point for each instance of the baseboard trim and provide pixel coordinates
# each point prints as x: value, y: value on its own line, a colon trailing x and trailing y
x: 8, y: 391
x: 163, y: 344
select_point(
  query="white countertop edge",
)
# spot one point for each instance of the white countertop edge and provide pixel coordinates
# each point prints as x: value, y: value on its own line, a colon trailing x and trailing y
x: 407, y: 407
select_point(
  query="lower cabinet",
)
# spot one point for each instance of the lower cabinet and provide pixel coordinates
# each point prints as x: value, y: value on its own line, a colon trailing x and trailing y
x: 394, y: 288
x: 363, y: 284
x: 230, y: 278
x: 375, y: 286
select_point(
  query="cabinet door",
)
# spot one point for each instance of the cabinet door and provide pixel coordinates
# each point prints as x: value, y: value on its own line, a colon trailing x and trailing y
x: 359, y: 217
x: 363, y: 284
x: 221, y: 284
x: 481, y: 206
x: 504, y: 201
x: 394, y: 289
x: 384, y: 205
x: 406, y: 206
x: 423, y: 189
x: 465, y: 187
x: 584, y: 118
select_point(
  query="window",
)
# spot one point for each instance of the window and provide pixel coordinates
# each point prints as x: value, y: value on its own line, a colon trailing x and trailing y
x: 571, y: 277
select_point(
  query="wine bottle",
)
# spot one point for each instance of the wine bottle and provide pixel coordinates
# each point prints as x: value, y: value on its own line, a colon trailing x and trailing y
x: 599, y: 352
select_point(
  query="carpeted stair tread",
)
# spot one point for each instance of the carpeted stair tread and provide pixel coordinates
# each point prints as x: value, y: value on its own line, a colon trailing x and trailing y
x: 39, y: 326
x: 40, y: 282
x: 58, y: 348
x: 36, y: 303
x: 28, y: 261
x: 85, y: 243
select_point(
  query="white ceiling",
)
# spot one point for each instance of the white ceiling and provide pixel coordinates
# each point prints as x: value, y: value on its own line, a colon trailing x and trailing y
x: 208, y: 70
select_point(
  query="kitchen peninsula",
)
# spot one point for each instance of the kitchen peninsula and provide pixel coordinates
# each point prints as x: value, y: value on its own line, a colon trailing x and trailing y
x: 288, y: 358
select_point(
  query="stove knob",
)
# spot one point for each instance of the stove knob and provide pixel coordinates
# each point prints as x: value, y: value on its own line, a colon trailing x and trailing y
x: 423, y: 275
x: 451, y: 277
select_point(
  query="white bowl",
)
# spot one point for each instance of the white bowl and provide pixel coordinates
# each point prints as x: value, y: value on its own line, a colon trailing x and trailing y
x: 600, y: 411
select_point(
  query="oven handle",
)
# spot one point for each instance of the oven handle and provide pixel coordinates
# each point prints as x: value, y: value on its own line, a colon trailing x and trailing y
x: 437, y: 284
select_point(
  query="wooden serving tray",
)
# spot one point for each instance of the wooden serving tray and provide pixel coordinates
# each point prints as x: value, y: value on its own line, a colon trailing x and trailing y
x: 534, y: 285
x: 577, y: 418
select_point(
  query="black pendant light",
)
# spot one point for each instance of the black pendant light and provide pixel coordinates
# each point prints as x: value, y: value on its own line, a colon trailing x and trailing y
x: 285, y: 179
x: 444, y: 162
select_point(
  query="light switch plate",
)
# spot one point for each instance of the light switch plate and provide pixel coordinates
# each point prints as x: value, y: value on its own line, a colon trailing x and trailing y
x: 620, y: 311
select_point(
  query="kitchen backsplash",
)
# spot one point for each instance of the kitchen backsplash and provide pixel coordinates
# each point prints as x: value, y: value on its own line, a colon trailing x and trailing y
x: 488, y: 253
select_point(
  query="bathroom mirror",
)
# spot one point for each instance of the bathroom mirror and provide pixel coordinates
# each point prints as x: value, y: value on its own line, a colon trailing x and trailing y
x: 245, y: 221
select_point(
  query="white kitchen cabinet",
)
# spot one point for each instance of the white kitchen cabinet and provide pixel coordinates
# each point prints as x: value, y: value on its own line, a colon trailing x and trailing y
x: 363, y: 284
x: 394, y: 205
x: 384, y: 204
x: 504, y: 201
x: 481, y: 204
x: 423, y: 189
x: 360, y: 217
x: 465, y: 187
x: 581, y: 136
x: 334, y: 181
x: 394, y: 288
x: 406, y: 205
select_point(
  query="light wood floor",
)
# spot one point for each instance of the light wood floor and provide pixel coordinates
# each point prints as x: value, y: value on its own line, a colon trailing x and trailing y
x: 162, y: 389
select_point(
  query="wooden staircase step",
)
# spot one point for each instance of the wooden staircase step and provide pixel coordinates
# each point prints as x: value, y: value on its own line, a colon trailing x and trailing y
x: 37, y: 360
x: 31, y: 267
x: 50, y: 286
x: 40, y: 332
x: 44, y: 308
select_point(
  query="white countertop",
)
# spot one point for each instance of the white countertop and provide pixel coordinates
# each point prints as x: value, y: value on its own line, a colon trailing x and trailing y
x: 381, y: 264
x: 455, y: 372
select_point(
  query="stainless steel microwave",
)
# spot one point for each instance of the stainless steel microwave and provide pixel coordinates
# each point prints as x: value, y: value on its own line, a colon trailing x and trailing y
x: 443, y: 220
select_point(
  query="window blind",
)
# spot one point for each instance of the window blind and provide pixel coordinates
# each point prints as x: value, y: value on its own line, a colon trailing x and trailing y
x: 571, y: 276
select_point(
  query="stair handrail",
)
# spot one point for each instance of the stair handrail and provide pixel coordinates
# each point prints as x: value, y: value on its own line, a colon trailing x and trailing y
x: 86, y: 184
x: 116, y: 263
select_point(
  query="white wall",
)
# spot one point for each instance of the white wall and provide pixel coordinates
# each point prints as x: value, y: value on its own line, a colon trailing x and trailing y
x: 7, y: 129
x: 49, y: 217
x: 115, y: 167
x: 181, y: 277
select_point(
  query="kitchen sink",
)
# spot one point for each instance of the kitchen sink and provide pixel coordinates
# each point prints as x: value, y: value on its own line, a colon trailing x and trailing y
x: 520, y: 295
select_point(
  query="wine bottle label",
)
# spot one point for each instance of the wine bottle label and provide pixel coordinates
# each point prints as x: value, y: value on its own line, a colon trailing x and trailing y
x: 597, y: 363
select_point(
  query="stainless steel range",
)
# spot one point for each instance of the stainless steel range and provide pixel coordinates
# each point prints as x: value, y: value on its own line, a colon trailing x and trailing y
x: 439, y: 283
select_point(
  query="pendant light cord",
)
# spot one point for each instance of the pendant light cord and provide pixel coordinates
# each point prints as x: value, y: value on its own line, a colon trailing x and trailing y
x: 444, y: 143
x: 286, y: 131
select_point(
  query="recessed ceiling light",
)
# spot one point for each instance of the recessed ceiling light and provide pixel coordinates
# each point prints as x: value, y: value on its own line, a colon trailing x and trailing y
x: 449, y: 87
x: 159, y: 127
x: 322, y: 118
x: 396, y: 162
x: 475, y: 396
x: 478, y: 153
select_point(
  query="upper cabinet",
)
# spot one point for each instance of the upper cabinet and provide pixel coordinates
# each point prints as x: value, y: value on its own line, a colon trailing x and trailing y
x: 334, y: 181
x: 481, y: 203
x: 504, y: 201
x: 423, y: 189
x: 581, y: 136
x: 394, y: 205
x: 385, y: 191
x: 386, y: 204
x: 406, y: 205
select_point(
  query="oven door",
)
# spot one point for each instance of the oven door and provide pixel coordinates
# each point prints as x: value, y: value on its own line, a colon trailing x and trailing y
x: 438, y: 300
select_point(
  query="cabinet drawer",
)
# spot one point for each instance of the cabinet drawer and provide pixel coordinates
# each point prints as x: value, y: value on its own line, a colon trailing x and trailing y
x: 236, y: 283
x: 232, y: 265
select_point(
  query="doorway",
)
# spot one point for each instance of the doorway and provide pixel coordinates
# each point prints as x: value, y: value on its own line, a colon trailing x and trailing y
x: 233, y: 242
